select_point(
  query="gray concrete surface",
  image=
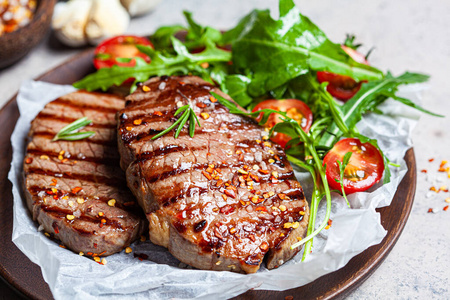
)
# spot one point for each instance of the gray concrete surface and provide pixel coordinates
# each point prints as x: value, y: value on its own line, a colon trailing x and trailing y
x: 408, y: 35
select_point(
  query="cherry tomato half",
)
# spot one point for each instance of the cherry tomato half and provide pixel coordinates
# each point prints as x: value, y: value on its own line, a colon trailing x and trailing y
x: 364, y: 169
x: 340, y: 86
x: 123, y: 46
x: 294, y: 109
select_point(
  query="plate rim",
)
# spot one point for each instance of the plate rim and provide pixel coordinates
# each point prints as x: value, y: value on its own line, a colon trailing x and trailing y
x: 371, y: 264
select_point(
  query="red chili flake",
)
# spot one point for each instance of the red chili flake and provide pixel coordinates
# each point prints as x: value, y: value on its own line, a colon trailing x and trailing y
x: 261, y: 208
x: 263, y: 171
x: 431, y: 160
x: 252, y: 237
x: 254, y: 177
x: 29, y: 160
x: 95, y: 245
x: 424, y: 171
x: 49, y: 192
x: 56, y: 229
x: 227, y: 209
x: 218, y: 234
x: 434, y: 189
x: 264, y: 246
x: 212, y: 99
x: 445, y: 208
x: 89, y: 253
x: 230, y: 193
x: 182, y: 82
x: 76, y: 189
x: 158, y: 113
x: 141, y: 256
x: 430, y: 210
x: 55, y: 197
x: 330, y: 222
x: 207, y: 175
x: 201, y: 104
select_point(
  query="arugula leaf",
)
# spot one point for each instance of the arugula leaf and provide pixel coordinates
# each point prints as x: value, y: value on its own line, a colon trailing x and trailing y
x: 276, y: 51
x: 369, y: 97
x: 236, y: 87
x: 161, y: 39
x: 181, y: 63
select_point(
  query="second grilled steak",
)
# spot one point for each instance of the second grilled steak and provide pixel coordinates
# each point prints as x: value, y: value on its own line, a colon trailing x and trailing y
x: 75, y: 189
x: 221, y: 200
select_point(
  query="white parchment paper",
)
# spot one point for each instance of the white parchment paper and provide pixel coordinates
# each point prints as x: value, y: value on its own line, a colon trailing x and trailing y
x: 71, y: 276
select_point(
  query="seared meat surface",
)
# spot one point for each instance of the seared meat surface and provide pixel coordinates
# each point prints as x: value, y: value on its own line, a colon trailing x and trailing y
x: 76, y: 189
x: 221, y: 200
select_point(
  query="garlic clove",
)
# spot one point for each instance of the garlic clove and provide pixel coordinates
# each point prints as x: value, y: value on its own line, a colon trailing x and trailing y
x: 139, y: 7
x: 107, y: 18
x: 69, y: 21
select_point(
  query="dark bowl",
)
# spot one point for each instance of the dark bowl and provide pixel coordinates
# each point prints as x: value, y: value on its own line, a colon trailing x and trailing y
x: 15, y: 45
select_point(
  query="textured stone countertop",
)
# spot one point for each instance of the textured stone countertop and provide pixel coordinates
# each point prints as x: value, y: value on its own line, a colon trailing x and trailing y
x: 407, y: 35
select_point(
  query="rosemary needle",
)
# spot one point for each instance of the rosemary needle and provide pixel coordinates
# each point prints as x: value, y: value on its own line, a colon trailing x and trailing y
x: 70, y: 132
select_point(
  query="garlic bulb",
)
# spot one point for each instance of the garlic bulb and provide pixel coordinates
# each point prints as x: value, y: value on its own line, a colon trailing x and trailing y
x: 79, y: 22
x: 107, y: 18
x: 69, y: 21
x: 139, y: 7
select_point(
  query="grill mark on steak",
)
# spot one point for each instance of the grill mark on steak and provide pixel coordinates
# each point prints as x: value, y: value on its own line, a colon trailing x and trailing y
x: 108, y: 161
x: 49, y: 116
x: 98, y: 179
x: 189, y: 192
x: 83, y: 106
x: 50, y: 135
x: 130, y: 205
x: 129, y: 137
x: 161, y: 151
x: 62, y: 213
x: 185, y: 169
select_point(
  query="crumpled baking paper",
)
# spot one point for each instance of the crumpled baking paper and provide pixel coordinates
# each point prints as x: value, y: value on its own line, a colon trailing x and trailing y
x: 161, y: 276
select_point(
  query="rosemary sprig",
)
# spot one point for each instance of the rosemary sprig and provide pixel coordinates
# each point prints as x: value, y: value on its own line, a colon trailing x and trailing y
x: 70, y: 132
x: 188, y: 113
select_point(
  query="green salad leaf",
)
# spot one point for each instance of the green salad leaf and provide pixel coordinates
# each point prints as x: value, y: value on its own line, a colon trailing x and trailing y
x: 371, y: 94
x: 181, y: 63
x: 276, y: 51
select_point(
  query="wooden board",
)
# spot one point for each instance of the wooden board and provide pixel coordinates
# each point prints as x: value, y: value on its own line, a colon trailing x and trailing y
x: 26, y: 278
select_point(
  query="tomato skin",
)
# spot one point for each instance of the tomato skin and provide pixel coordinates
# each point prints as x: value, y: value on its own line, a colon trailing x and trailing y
x: 365, y: 168
x: 122, y: 46
x: 340, y: 86
x: 294, y: 108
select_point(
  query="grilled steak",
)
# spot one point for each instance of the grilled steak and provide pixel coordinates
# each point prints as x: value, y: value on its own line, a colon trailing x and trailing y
x: 221, y: 200
x: 76, y: 189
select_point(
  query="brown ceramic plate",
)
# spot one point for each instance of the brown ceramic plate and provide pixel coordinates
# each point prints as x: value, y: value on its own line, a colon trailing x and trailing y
x: 26, y: 278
